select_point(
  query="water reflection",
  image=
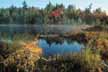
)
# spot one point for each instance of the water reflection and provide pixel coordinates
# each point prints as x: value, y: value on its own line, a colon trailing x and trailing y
x: 59, y: 48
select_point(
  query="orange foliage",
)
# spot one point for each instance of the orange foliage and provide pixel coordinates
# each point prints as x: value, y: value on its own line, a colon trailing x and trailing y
x: 101, y: 40
x: 33, y: 47
x: 90, y: 35
x: 102, y: 43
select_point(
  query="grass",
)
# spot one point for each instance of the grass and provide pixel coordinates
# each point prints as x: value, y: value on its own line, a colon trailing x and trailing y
x: 20, y: 59
x: 75, y: 62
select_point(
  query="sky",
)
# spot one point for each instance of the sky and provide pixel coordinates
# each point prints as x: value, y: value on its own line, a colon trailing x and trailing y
x: 42, y: 3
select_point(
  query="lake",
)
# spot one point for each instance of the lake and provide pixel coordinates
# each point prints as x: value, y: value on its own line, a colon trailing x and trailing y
x: 59, y: 47
x: 44, y: 28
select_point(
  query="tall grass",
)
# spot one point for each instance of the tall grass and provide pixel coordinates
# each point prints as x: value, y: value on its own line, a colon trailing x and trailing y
x: 20, y: 60
x: 75, y: 62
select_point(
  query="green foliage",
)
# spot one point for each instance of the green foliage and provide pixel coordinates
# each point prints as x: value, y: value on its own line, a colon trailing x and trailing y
x: 33, y: 15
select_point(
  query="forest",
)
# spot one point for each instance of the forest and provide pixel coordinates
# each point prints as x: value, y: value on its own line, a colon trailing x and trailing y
x: 52, y: 14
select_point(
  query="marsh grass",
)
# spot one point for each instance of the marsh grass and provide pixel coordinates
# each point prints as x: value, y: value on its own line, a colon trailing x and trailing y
x: 20, y: 60
x: 74, y: 62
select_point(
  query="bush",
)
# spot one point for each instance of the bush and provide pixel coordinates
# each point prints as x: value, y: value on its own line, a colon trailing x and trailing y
x: 76, y: 62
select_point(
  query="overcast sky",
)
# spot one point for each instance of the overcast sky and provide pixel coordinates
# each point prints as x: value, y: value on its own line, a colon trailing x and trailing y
x: 42, y: 3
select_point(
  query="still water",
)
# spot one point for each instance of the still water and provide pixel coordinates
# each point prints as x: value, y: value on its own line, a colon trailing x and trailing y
x: 59, y: 48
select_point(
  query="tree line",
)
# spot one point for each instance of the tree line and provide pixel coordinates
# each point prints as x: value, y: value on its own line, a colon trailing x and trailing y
x: 52, y: 14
